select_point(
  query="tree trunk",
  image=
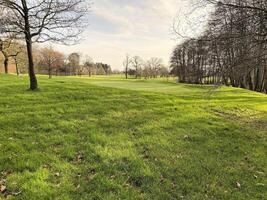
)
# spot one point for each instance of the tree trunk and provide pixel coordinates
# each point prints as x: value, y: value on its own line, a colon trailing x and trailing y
x: 33, y: 80
x: 6, y: 60
x: 6, y: 65
x: 17, y: 68
x: 28, y: 38
x: 257, y: 80
x: 65, y: 70
x: 49, y: 72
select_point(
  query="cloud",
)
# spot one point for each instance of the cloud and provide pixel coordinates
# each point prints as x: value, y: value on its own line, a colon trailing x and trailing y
x: 140, y: 27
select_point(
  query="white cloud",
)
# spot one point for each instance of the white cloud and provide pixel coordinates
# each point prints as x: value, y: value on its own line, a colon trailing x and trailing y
x: 140, y: 27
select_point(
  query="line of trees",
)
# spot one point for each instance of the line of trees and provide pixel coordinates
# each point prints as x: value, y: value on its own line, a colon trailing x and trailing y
x: 49, y: 61
x: 137, y: 67
x: 53, y: 62
x: 232, y: 50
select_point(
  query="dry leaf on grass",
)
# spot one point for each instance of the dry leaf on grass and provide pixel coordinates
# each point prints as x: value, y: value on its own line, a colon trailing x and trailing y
x: 2, y: 188
x: 238, y: 185
x: 57, y: 174
x: 79, y: 158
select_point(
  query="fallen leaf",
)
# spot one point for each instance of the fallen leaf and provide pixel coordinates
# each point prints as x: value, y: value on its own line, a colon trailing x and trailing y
x: 186, y: 137
x: 238, y: 185
x: 79, y: 158
x: 2, y: 188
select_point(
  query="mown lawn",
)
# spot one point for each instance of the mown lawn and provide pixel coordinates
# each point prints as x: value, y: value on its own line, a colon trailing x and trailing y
x: 108, y: 138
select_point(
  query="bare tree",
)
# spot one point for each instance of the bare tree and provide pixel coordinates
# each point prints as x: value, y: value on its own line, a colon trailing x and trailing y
x: 231, y: 51
x: 154, y: 64
x: 43, y: 20
x: 88, y: 65
x: 74, y: 62
x: 126, y: 64
x: 163, y: 71
x: 4, y: 48
x: 17, y: 49
x: 51, y: 59
x: 10, y: 49
x: 137, y: 63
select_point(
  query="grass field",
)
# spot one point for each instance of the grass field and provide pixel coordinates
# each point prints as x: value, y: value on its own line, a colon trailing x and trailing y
x: 110, y: 138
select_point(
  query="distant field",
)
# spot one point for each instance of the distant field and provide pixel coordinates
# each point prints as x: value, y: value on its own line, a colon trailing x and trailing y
x: 111, y: 138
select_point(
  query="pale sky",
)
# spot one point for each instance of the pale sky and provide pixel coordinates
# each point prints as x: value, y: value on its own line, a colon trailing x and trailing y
x: 136, y: 27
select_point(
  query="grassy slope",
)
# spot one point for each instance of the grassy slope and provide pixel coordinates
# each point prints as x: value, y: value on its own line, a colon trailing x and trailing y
x: 178, y: 142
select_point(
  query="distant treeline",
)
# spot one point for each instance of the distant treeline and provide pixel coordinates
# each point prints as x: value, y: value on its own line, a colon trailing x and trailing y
x: 232, y: 51
x: 48, y: 61
x: 137, y: 67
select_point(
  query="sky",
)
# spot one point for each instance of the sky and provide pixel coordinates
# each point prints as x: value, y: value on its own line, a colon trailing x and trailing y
x: 134, y: 27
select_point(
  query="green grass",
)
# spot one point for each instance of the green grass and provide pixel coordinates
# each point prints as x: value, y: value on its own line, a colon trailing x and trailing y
x: 108, y: 138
